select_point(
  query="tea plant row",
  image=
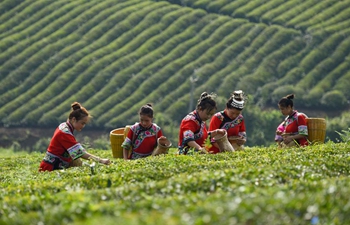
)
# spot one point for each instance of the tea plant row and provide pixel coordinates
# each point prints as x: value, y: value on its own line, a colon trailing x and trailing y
x: 290, y: 186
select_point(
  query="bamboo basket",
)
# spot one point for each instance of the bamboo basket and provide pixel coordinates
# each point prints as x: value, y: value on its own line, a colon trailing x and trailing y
x: 233, y: 141
x: 126, y: 131
x: 117, y: 138
x: 224, y: 144
x: 162, y: 147
x: 316, y: 128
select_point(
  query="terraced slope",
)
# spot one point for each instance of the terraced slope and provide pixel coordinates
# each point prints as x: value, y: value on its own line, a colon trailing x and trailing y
x: 113, y: 56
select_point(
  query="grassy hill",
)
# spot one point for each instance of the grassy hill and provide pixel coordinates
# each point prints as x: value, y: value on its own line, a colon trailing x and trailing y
x: 115, y: 55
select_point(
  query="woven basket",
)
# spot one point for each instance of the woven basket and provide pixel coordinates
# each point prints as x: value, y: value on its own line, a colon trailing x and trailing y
x: 126, y: 131
x: 316, y: 128
x: 224, y: 144
x: 162, y: 147
x: 116, y: 137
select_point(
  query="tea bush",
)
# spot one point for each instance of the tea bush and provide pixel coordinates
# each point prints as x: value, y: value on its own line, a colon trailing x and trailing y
x: 257, y: 186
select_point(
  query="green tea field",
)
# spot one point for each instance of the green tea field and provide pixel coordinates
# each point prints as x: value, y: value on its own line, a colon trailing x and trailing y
x: 114, y: 56
x: 256, y: 186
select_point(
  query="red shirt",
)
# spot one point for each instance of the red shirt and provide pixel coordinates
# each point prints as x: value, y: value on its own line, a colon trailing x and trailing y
x: 142, y: 141
x: 192, y: 128
x: 234, y: 127
x: 63, y: 147
x: 296, y: 124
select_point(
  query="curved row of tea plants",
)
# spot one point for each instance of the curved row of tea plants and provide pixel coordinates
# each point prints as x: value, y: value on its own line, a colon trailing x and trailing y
x: 308, y: 16
x: 114, y: 56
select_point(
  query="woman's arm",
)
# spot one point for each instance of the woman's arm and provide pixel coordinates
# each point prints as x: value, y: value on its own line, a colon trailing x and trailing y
x: 215, y: 132
x: 96, y: 158
x: 125, y: 154
x: 290, y: 138
x: 194, y: 144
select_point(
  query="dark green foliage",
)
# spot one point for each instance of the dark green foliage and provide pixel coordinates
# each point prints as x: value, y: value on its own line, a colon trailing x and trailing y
x: 334, y: 99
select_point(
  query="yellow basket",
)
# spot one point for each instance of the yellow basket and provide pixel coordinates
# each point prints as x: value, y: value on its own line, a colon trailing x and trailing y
x: 126, y: 131
x: 316, y: 128
x: 117, y: 138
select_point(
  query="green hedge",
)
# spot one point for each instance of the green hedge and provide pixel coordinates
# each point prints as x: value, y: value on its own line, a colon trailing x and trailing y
x: 28, y: 9
x: 301, y: 186
x: 277, y: 11
x: 80, y: 81
x: 342, y: 18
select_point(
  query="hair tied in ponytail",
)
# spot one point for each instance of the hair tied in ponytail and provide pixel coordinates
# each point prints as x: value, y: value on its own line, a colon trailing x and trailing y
x: 76, y: 106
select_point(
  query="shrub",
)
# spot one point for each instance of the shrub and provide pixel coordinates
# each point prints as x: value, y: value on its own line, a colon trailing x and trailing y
x: 215, y: 6
x: 337, y: 126
x: 265, y: 93
x: 41, y: 145
x: 16, y: 146
x: 275, y: 12
x: 334, y: 99
x: 229, y: 8
x: 282, y: 91
x: 101, y: 143
x: 342, y: 84
x: 201, y: 4
x: 344, y: 135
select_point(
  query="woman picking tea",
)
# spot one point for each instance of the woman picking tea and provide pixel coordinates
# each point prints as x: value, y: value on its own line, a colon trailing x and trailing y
x: 293, y: 129
x: 142, y: 137
x: 193, y: 132
x: 64, y: 151
x: 232, y: 121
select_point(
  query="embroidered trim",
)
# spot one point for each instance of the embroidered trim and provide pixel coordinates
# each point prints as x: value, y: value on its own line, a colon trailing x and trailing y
x: 136, y: 155
x: 76, y: 151
x: 51, y: 158
x: 233, y: 123
x: 237, y: 104
x: 302, y: 129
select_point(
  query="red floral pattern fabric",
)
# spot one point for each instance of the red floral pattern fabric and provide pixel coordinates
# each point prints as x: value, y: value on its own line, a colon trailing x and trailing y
x: 142, y: 141
x: 192, y: 128
x: 63, y: 148
x: 235, y: 127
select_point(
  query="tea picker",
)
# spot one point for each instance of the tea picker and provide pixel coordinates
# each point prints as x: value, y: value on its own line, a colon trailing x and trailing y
x: 232, y: 121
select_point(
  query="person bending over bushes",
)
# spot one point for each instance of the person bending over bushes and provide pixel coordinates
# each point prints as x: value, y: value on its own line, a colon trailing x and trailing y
x: 64, y: 151
x: 232, y: 120
x: 193, y: 131
x: 143, y: 136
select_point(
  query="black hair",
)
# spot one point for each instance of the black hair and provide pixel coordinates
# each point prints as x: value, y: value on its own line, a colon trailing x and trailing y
x: 146, y: 110
x: 78, y: 111
x: 286, y: 101
x: 206, y: 102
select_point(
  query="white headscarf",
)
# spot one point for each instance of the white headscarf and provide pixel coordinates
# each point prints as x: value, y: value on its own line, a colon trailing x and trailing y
x: 239, y: 104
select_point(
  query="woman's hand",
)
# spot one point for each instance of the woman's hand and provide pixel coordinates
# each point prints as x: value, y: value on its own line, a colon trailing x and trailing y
x: 217, y: 131
x: 241, y: 141
x: 203, y: 150
x: 287, y: 139
x: 105, y: 161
